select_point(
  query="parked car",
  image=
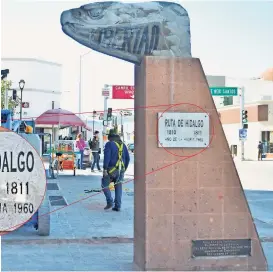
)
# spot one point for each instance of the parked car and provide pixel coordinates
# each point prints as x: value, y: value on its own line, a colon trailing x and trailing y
x: 131, y: 147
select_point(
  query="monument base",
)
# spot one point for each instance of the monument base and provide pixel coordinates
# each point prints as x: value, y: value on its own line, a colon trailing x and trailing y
x: 190, y: 209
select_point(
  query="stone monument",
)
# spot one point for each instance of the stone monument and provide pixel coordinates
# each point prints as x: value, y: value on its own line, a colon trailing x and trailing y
x: 130, y: 31
x: 190, y: 209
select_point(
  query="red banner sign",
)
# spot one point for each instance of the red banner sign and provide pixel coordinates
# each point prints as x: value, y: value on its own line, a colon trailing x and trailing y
x: 123, y: 92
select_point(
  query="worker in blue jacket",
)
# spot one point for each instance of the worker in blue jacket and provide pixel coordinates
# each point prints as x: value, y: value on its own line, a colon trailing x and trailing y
x: 115, y: 163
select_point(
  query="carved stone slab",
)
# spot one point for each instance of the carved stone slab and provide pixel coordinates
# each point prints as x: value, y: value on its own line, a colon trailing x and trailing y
x: 130, y: 31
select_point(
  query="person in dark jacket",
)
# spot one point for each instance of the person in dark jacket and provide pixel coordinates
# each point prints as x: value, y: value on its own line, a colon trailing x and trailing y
x: 95, y: 147
x: 260, y: 151
x: 115, y: 164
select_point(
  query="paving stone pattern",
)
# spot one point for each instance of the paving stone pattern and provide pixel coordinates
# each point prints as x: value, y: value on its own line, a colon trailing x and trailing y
x: 87, y: 220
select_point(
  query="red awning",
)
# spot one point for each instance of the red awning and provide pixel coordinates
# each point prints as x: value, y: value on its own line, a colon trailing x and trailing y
x: 60, y: 117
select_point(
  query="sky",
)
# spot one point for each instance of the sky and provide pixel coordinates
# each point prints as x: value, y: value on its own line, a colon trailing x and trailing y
x: 232, y: 38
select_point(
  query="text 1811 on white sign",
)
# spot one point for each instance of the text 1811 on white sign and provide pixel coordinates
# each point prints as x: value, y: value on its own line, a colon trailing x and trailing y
x: 179, y: 129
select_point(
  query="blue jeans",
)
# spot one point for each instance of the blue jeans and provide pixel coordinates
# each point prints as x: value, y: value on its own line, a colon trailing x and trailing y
x: 96, y: 160
x: 118, y: 189
x: 81, y: 163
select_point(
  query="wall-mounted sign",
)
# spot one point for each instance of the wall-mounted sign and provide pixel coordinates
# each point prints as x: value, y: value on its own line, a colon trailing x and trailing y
x: 127, y: 113
x: 25, y: 105
x: 218, y: 248
x: 224, y: 91
x: 177, y: 129
x: 123, y: 92
x: 105, y: 93
x: 242, y: 134
x: 101, y: 116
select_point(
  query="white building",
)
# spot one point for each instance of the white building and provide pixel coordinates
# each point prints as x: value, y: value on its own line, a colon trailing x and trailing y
x: 255, y: 89
x: 42, y: 84
x: 258, y: 103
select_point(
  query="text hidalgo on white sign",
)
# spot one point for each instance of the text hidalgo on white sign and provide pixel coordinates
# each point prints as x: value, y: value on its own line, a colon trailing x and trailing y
x: 22, y: 182
x: 177, y: 129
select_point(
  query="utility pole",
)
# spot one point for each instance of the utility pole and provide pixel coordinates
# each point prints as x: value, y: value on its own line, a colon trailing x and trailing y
x: 52, y: 127
x: 105, y: 114
x: 6, y: 98
x: 121, y: 121
x: 4, y: 74
x: 94, y: 114
x: 80, y: 85
x: 242, y: 124
x: 80, y: 91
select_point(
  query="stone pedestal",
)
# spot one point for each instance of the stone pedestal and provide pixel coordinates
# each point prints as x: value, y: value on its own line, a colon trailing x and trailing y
x: 199, y: 198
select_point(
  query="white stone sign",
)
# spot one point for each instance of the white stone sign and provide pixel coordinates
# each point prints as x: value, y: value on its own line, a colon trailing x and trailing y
x: 177, y: 129
x: 22, y: 181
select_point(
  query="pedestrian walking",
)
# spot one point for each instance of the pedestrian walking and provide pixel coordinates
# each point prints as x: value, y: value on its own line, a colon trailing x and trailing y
x: 260, y: 151
x: 115, y: 163
x: 95, y: 147
x: 80, y: 144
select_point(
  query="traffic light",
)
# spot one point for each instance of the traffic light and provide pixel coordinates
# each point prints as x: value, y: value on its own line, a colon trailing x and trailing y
x: 14, y: 94
x: 244, y: 119
x: 4, y: 73
x: 109, y: 113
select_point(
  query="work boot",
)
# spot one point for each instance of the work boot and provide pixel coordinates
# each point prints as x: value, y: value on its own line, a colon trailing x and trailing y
x: 116, y: 209
x: 108, y: 206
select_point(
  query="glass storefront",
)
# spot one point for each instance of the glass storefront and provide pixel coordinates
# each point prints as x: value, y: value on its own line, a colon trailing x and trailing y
x: 267, y: 139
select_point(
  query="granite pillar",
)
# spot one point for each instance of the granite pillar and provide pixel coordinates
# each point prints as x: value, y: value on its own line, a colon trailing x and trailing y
x: 180, y: 199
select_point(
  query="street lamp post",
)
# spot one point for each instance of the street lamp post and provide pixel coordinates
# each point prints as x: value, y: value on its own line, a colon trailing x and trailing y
x: 80, y: 81
x: 21, y: 86
x: 121, y: 119
x: 80, y: 85
x: 94, y: 112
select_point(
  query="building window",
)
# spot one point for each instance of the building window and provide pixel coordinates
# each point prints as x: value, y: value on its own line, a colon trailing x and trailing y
x: 228, y: 100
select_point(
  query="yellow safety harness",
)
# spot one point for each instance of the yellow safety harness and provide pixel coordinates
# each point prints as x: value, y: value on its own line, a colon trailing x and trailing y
x: 120, y: 164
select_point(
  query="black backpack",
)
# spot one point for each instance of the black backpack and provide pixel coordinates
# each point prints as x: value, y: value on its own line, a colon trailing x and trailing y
x: 90, y: 142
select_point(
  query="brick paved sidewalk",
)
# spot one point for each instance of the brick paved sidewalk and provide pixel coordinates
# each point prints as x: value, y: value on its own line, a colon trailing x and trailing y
x: 87, y: 218
x: 76, y: 236
x: 78, y: 239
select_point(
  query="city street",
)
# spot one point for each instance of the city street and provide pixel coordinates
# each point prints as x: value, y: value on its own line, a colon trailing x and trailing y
x: 77, y: 74
x: 85, y: 237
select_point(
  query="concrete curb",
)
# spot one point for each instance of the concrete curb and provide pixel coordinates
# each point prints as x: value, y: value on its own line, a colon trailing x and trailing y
x: 93, y: 240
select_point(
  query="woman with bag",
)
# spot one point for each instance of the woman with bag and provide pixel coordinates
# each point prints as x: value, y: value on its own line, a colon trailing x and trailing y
x: 80, y: 144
